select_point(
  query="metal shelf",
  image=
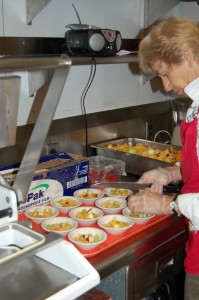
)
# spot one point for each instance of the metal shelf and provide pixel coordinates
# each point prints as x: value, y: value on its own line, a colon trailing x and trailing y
x: 116, y: 59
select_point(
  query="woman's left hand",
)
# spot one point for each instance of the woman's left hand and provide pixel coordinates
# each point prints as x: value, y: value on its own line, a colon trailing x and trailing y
x: 148, y: 202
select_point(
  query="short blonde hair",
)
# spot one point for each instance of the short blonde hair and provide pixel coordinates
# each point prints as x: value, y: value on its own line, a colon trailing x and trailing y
x: 167, y: 40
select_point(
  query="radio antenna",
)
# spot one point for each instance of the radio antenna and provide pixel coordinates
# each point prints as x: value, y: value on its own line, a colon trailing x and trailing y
x: 80, y: 25
x: 77, y: 13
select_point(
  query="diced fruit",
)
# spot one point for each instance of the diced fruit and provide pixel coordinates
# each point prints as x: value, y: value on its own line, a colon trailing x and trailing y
x: 87, y: 238
x: 86, y: 214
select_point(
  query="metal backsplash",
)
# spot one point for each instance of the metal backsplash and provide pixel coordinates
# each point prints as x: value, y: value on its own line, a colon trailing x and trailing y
x: 70, y: 133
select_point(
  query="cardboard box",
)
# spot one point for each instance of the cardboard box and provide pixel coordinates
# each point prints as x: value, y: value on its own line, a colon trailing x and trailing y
x: 56, y: 175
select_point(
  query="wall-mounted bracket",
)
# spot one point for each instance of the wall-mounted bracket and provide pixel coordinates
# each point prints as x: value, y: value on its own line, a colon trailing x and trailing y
x: 33, y: 7
x: 155, y: 9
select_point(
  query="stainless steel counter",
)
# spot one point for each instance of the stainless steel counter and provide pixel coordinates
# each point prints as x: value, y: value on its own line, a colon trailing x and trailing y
x: 143, y: 262
x: 172, y: 228
x: 137, y: 246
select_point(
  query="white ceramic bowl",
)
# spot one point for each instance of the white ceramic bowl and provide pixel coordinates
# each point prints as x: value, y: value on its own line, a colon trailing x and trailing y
x: 111, y: 205
x: 65, y: 203
x: 137, y: 220
x: 72, y: 235
x: 103, y: 221
x: 89, y: 218
x: 59, y: 221
x: 117, y: 192
x: 89, y: 195
x: 37, y: 214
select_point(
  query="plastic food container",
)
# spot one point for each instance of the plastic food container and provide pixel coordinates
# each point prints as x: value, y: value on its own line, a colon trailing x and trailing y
x: 105, y: 169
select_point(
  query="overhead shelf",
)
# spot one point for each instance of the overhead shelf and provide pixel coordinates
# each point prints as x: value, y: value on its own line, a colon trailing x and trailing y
x: 127, y: 44
x: 43, y: 46
x: 116, y: 59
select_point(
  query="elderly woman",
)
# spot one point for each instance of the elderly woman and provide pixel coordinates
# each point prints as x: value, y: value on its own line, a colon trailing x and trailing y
x: 171, y: 50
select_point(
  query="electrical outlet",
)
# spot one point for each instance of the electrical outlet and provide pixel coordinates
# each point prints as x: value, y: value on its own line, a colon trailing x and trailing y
x: 51, y: 148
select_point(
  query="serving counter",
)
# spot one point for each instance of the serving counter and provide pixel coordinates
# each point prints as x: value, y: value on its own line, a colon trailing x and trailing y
x: 133, y: 264
x: 135, y: 267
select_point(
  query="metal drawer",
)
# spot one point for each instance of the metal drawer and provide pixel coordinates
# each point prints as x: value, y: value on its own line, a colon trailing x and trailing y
x: 152, y: 270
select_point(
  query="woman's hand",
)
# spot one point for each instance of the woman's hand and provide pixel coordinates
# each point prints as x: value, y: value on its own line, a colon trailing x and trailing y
x: 150, y: 203
x: 160, y: 177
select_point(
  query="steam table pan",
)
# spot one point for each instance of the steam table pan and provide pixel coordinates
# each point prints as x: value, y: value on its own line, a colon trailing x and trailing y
x: 134, y: 164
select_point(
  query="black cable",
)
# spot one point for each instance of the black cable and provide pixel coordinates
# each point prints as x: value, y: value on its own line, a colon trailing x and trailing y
x: 89, y: 82
x: 82, y: 101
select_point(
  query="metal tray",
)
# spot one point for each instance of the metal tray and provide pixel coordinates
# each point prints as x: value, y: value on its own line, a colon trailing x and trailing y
x: 134, y: 164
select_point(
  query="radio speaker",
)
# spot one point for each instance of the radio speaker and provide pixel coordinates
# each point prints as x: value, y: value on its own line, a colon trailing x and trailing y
x: 96, y: 42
